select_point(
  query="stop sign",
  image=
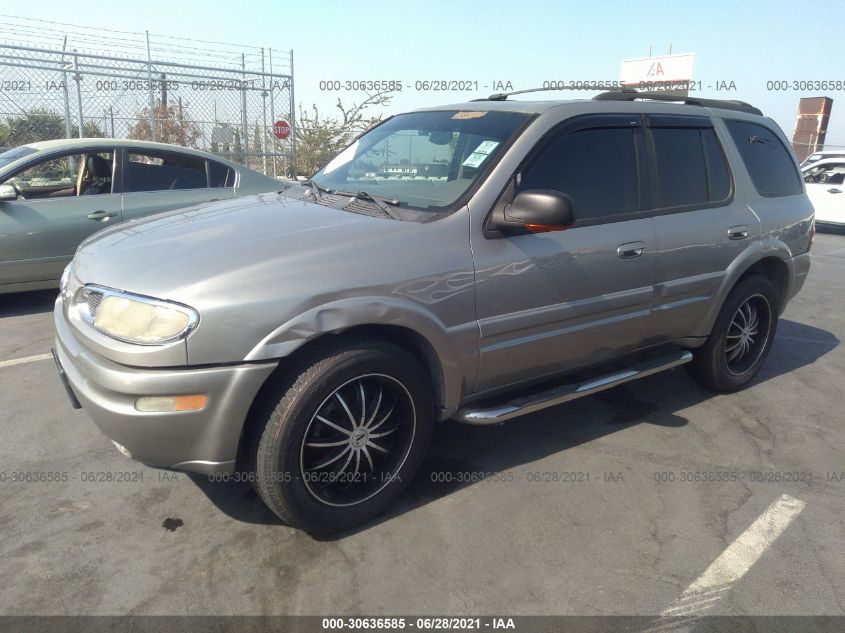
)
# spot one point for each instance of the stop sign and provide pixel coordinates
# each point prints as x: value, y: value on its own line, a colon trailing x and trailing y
x: 281, y: 129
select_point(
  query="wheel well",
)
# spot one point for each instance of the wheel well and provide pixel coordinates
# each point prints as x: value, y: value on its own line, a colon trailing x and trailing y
x: 408, y: 339
x: 776, y: 271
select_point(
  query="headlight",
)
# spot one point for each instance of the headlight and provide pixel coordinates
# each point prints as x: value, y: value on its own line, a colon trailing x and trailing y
x: 135, y: 318
x: 63, y: 283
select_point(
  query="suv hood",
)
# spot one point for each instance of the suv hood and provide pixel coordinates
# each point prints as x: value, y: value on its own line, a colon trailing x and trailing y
x: 177, y: 254
x: 252, y: 264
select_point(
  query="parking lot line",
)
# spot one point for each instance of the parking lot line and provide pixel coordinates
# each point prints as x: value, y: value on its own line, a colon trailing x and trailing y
x: 736, y: 560
x: 25, y: 359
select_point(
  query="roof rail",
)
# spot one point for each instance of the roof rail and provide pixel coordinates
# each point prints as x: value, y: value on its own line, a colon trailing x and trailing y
x: 631, y: 95
x: 502, y: 96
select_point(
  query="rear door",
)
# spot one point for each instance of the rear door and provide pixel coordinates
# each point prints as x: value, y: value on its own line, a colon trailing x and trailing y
x: 62, y: 200
x: 550, y: 302
x: 155, y: 180
x: 701, y: 225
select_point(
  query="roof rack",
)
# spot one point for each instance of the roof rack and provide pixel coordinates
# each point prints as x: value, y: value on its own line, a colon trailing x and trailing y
x: 502, y: 96
x: 631, y: 95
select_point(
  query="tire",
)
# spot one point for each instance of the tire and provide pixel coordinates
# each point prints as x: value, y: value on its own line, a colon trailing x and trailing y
x: 734, y: 352
x: 325, y: 463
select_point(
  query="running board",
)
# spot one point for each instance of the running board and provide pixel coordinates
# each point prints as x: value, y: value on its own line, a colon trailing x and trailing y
x: 476, y: 414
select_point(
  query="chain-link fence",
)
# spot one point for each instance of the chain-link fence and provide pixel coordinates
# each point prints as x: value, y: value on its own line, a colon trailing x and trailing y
x: 48, y: 93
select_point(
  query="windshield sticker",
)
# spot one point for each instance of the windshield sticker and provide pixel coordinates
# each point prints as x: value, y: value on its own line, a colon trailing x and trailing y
x: 480, y: 153
x: 486, y: 147
x: 468, y: 115
x: 474, y: 159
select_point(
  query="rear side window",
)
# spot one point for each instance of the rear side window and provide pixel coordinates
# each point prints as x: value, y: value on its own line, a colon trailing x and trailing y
x: 681, y: 167
x: 597, y: 168
x: 691, y: 167
x: 221, y: 176
x: 768, y: 161
x: 163, y: 172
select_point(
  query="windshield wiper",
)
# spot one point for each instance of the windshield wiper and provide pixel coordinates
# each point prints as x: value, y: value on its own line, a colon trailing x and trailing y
x: 316, y: 190
x: 381, y: 202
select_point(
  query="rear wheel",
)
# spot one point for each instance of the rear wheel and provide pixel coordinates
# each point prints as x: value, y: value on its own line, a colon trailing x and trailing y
x: 345, y: 439
x: 741, y: 338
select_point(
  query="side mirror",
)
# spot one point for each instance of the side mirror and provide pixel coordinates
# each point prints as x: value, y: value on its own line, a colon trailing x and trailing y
x: 536, y: 211
x: 7, y: 192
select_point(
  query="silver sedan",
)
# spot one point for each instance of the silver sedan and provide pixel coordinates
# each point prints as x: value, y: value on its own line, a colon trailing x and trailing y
x: 54, y: 194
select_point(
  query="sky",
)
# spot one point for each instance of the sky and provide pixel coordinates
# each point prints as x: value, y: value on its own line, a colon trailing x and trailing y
x: 525, y: 43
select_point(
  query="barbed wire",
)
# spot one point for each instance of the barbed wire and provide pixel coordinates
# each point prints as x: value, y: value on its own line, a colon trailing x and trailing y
x: 28, y: 31
x: 70, y: 80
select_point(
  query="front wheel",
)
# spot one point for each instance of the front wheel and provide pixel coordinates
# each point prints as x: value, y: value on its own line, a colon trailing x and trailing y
x: 345, y: 439
x: 741, y: 338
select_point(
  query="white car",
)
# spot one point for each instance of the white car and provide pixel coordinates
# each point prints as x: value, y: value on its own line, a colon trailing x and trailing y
x: 822, y: 155
x: 825, y: 180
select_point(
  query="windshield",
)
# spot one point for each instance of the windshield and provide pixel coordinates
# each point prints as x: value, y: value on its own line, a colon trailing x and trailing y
x: 425, y: 160
x: 812, y: 158
x: 12, y: 155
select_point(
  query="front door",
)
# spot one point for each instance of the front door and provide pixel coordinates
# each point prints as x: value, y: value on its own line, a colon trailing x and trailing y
x: 549, y: 302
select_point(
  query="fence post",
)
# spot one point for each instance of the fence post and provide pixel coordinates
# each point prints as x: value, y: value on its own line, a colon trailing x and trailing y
x: 292, y: 122
x: 244, y: 123
x: 68, y: 126
x: 274, y: 140
x: 150, y: 90
x: 264, y: 106
x: 78, y: 78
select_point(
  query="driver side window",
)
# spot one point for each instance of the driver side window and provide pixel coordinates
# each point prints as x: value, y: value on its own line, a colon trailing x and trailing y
x: 66, y: 176
x: 596, y: 167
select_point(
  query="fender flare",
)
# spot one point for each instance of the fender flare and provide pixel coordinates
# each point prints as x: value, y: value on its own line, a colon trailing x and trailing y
x: 766, y: 248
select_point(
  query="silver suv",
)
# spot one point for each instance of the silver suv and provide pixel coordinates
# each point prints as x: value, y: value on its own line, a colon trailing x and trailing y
x: 472, y: 262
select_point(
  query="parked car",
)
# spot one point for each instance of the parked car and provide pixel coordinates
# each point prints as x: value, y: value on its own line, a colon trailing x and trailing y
x: 824, y: 181
x: 310, y: 340
x: 822, y: 155
x: 54, y: 194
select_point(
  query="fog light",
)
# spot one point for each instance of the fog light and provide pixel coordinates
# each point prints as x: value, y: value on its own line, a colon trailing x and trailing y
x: 162, y: 404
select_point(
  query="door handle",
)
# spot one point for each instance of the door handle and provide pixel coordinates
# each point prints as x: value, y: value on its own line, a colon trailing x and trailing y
x: 738, y: 232
x: 630, y: 250
x: 834, y: 190
x: 101, y: 215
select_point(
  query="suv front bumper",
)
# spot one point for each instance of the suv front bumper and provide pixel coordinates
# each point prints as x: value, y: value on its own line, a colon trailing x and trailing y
x: 204, y: 441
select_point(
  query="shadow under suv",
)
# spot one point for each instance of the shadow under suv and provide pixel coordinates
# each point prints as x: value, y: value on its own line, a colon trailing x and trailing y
x: 475, y: 261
